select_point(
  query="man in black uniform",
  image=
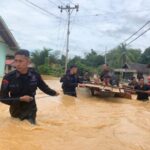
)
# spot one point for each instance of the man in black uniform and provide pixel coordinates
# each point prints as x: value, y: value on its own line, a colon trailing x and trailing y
x: 142, y: 90
x: 19, y: 87
x: 70, y: 81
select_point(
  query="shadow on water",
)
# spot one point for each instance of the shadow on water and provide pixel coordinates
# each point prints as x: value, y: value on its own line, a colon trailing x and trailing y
x: 111, y: 99
x: 84, y: 93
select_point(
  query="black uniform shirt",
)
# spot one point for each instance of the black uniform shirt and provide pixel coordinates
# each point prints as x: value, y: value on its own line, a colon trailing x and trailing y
x: 141, y: 95
x: 15, y: 85
x: 69, y: 84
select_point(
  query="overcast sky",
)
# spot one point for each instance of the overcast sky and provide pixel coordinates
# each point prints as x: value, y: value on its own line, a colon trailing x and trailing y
x: 98, y: 24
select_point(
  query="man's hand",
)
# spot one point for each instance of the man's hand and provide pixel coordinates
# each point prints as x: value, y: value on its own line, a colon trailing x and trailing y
x: 56, y: 94
x: 26, y: 98
x: 81, y: 85
x: 148, y: 92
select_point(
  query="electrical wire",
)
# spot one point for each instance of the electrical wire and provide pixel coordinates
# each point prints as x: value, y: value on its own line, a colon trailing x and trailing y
x: 53, y: 3
x: 58, y: 33
x: 138, y: 37
x: 61, y: 2
x: 137, y: 31
x: 36, y: 9
x: 44, y: 10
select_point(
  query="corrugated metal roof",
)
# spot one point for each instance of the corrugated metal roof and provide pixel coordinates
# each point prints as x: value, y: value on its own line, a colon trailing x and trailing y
x: 143, y: 68
x: 9, y: 61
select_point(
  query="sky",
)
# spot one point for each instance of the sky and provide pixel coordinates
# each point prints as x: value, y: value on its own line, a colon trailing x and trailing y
x: 99, y: 24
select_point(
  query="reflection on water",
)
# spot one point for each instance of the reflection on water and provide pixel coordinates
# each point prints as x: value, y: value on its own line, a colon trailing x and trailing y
x: 82, y: 123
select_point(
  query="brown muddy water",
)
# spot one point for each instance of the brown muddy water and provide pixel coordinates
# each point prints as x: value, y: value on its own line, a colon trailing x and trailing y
x: 83, y: 123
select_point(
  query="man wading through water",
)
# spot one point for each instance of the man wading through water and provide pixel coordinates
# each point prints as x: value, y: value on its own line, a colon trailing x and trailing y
x: 70, y: 81
x: 142, y: 90
x: 19, y: 87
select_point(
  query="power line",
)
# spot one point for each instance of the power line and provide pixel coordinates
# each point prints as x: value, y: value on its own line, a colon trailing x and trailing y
x: 138, y: 36
x: 69, y: 10
x: 61, y: 2
x: 73, y: 20
x: 58, y: 32
x: 61, y: 38
x: 53, y: 3
x: 71, y: 2
x: 137, y: 31
x: 44, y: 10
x: 61, y: 35
x: 135, y: 34
x: 105, y: 12
x: 33, y: 8
x: 113, y: 12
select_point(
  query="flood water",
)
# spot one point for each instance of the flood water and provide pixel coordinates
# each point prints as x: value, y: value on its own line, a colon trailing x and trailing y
x: 83, y: 123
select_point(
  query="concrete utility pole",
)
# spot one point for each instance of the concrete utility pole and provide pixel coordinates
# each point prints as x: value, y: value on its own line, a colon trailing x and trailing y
x: 69, y: 10
x: 124, y: 54
x: 105, y: 55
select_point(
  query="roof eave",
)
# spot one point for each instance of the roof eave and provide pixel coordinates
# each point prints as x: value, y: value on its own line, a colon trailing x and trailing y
x: 9, y: 34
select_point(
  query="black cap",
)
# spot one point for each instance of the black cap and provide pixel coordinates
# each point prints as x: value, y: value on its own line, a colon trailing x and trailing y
x: 23, y: 52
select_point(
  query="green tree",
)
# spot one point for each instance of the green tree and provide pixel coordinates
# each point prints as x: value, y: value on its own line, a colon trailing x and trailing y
x: 48, y: 61
x: 40, y: 57
x: 54, y: 57
x: 145, y: 57
x: 92, y: 59
x: 61, y: 61
x: 117, y: 57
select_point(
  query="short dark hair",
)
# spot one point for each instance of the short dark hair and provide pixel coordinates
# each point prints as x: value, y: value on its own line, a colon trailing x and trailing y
x: 141, y: 78
x: 23, y: 52
x: 132, y: 78
x: 73, y: 66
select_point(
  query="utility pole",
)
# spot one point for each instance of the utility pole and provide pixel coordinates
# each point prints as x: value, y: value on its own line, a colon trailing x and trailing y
x: 105, y: 55
x: 69, y: 11
x: 124, y: 54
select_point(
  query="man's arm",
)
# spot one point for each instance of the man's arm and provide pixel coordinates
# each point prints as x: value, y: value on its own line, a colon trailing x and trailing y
x: 4, y: 94
x: 45, y: 88
x: 148, y: 90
